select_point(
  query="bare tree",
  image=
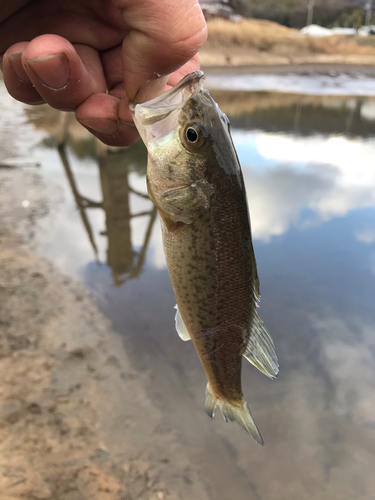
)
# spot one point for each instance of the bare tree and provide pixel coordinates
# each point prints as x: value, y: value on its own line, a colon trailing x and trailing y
x: 310, y: 11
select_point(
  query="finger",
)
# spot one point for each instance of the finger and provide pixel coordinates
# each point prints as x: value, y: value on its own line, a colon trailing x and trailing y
x: 189, y: 67
x: 100, y: 115
x: 65, y: 76
x: 163, y: 37
x: 112, y: 67
x: 91, y: 23
x: 16, y: 80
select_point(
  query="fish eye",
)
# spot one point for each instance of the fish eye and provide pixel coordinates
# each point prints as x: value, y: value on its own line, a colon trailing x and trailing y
x: 192, y: 137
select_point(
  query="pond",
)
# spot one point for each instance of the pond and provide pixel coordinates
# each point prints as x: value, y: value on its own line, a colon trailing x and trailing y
x: 309, y: 168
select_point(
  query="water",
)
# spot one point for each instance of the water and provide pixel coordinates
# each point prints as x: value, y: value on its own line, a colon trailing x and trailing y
x: 353, y: 83
x: 308, y: 163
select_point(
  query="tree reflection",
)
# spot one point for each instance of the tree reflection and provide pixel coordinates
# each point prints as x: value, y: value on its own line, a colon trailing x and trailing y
x: 125, y: 262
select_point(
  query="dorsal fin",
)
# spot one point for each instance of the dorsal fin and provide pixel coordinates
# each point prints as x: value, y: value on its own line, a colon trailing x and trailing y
x: 254, y: 274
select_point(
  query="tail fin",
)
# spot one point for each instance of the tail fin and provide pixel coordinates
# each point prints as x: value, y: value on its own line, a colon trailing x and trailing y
x: 231, y: 412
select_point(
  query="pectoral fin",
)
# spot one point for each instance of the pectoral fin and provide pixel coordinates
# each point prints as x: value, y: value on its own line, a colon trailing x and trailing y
x: 180, y: 326
x: 260, y: 349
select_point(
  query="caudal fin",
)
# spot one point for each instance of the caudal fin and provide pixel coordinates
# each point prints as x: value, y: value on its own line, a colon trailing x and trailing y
x: 232, y: 412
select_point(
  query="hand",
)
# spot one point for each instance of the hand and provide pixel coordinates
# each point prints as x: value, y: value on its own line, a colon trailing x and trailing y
x: 92, y: 56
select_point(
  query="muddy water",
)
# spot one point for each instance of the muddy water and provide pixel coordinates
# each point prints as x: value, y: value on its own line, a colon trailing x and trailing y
x: 308, y: 164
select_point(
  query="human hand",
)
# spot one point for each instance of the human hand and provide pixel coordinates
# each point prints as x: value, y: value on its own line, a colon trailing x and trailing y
x: 91, y: 57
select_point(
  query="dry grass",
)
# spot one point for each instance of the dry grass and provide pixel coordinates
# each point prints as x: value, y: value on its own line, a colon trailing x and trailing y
x: 247, y: 30
x: 338, y: 45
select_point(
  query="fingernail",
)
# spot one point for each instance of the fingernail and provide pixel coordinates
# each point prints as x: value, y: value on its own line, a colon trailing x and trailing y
x: 15, y: 62
x: 106, y: 127
x: 52, y: 70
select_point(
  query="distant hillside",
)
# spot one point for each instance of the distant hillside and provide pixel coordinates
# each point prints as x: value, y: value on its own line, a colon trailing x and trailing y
x: 293, y: 13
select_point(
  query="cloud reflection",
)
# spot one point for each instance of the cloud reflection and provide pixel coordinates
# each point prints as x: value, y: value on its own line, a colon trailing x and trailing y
x: 366, y: 236
x: 348, y: 351
x: 324, y: 176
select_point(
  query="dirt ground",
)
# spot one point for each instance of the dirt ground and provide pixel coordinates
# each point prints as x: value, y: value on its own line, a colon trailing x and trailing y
x: 254, y: 42
x: 75, y: 419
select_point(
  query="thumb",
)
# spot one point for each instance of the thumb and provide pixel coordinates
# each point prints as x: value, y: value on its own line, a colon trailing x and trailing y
x: 163, y: 36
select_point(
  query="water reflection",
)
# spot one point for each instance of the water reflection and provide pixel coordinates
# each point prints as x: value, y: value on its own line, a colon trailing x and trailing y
x: 308, y: 166
x: 295, y: 178
x: 303, y: 181
x: 82, y: 203
x: 299, y: 114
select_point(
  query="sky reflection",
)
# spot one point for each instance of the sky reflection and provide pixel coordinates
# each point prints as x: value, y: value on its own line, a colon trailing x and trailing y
x: 299, y: 181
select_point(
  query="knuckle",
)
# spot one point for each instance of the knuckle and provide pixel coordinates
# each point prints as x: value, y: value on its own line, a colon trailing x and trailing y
x: 187, y: 32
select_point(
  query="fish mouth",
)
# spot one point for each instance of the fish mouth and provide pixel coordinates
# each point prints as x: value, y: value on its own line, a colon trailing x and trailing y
x: 174, y: 99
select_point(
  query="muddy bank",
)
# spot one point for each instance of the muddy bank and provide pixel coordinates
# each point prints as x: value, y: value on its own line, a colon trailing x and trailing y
x: 75, y: 420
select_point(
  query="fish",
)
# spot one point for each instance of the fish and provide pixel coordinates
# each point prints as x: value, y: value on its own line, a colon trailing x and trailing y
x: 195, y: 180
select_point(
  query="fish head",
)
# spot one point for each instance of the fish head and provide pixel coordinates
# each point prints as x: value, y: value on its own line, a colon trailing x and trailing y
x: 181, y: 130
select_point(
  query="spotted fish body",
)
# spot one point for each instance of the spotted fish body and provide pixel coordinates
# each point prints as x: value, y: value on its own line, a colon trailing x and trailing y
x: 195, y: 180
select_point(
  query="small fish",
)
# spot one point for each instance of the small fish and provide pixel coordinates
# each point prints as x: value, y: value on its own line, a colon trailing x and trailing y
x: 194, y: 178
